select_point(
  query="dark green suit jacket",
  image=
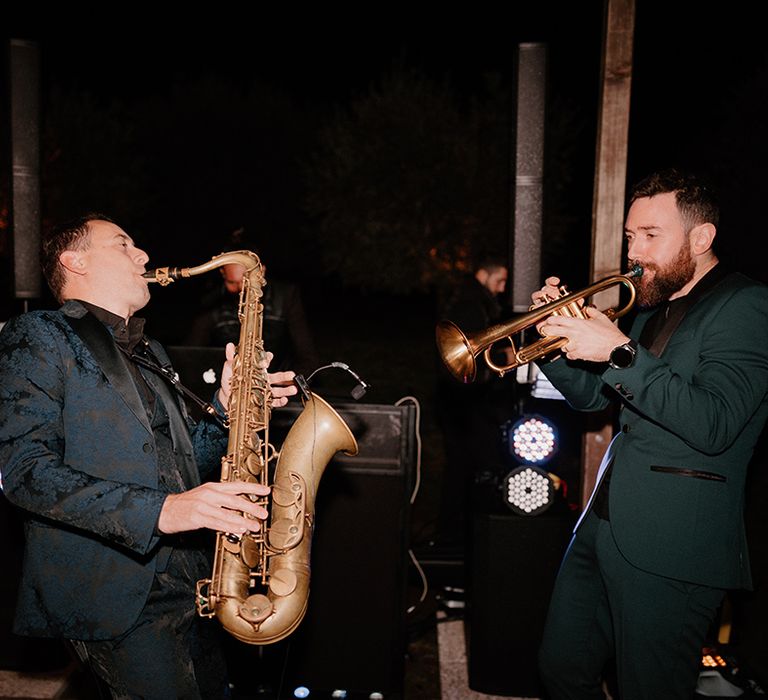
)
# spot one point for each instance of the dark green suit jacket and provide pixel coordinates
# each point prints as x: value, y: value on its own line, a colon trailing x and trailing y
x: 689, y: 423
x: 78, y: 455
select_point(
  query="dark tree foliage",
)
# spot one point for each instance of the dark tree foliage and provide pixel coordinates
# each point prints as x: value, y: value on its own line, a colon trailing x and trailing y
x: 407, y: 185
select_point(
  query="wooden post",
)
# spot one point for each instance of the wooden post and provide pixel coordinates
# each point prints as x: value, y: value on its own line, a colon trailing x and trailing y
x: 609, y: 191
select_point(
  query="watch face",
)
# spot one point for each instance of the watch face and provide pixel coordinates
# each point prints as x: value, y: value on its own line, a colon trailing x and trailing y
x: 622, y: 356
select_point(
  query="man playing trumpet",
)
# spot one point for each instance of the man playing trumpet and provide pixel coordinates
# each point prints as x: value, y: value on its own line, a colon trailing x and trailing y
x: 663, y: 536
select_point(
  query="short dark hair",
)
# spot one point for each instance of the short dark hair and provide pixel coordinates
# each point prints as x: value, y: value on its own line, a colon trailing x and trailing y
x: 74, y: 234
x: 489, y: 263
x: 695, y: 198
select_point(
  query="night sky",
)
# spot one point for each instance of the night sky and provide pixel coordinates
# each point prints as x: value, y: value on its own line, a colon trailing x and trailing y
x: 698, y: 84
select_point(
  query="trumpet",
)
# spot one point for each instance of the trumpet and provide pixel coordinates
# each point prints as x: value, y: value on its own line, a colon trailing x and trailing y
x: 459, y: 351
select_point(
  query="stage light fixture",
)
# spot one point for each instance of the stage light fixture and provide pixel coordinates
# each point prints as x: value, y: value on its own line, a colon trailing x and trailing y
x: 532, y: 439
x: 528, y: 490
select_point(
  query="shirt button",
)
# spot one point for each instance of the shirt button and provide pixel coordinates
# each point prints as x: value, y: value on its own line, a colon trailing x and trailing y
x: 147, y: 447
x: 625, y: 428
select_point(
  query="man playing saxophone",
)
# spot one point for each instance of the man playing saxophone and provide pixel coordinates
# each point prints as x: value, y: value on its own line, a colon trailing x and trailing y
x: 663, y: 535
x: 98, y: 452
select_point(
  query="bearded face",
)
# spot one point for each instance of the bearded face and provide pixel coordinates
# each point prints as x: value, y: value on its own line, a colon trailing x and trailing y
x: 660, y: 282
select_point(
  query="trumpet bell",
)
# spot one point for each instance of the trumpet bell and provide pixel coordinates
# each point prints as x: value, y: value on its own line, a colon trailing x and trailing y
x: 456, y: 351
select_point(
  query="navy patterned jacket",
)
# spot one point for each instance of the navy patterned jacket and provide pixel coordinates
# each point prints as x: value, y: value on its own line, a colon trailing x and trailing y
x: 77, y: 454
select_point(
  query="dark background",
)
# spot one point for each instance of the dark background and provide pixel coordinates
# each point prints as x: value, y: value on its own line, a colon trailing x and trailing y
x: 188, y: 131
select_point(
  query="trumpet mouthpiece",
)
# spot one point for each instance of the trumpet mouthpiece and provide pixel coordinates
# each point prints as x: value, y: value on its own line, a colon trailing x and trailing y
x: 636, y: 271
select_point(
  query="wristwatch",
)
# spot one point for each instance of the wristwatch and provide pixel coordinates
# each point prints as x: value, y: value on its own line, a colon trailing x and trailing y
x: 623, y: 356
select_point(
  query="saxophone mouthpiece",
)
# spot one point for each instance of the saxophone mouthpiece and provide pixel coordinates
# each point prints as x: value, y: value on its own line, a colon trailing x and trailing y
x: 164, y: 275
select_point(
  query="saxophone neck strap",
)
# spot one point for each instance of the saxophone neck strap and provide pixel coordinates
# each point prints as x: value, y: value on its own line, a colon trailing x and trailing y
x: 143, y: 356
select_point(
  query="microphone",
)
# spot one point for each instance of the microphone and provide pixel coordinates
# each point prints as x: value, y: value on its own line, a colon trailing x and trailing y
x: 362, y: 386
x: 359, y: 390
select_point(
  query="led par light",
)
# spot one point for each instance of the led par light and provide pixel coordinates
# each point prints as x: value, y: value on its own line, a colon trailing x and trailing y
x: 528, y: 490
x: 532, y: 440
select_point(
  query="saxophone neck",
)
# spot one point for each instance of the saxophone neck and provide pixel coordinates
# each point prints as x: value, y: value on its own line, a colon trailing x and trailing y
x: 254, y: 268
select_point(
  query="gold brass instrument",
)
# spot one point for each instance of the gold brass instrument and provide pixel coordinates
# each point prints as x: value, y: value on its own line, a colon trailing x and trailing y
x: 459, y: 351
x: 259, y: 587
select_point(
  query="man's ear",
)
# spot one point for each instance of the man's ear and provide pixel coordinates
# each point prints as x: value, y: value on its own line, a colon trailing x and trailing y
x: 702, y: 237
x: 73, y: 261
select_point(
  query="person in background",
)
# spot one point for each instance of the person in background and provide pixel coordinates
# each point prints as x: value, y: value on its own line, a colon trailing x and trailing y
x: 285, y: 331
x: 469, y: 414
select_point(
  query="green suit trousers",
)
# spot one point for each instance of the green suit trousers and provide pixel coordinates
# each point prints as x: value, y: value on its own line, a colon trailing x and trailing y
x: 601, y: 603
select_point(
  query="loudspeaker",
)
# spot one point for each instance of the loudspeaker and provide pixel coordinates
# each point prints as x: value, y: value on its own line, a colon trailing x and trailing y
x: 353, y: 636
x: 513, y: 564
x: 25, y: 153
x: 531, y: 84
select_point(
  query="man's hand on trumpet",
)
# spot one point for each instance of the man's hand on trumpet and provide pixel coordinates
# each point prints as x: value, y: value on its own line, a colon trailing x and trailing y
x: 590, y: 339
x: 550, y: 291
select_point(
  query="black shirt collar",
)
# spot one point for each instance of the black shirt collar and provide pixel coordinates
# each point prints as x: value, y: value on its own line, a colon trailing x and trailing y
x: 126, y: 335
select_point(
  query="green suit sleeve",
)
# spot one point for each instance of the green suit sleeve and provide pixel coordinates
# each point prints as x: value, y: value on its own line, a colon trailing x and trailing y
x: 718, y: 385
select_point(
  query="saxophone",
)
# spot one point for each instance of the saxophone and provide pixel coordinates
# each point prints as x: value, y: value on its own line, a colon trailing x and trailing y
x: 259, y: 587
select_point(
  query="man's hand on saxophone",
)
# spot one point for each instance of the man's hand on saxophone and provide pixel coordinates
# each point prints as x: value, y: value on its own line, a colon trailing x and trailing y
x: 214, y: 506
x: 281, y: 383
x: 220, y: 505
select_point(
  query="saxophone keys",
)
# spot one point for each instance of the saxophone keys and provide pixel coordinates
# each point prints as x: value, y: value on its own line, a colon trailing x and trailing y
x: 286, y: 491
x: 254, y: 463
x: 255, y: 608
x: 231, y: 543
x: 285, y: 534
x: 250, y: 553
x: 283, y: 582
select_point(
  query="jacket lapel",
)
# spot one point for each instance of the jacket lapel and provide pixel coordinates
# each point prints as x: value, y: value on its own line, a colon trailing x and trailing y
x: 707, y: 283
x: 100, y: 343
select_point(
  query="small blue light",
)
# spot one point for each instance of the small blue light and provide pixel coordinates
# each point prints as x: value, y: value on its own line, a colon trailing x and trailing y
x: 301, y: 692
